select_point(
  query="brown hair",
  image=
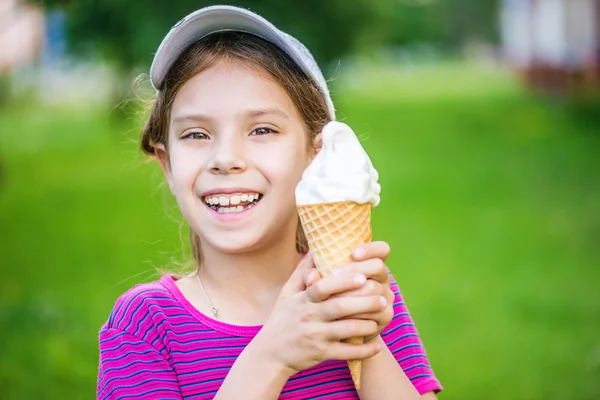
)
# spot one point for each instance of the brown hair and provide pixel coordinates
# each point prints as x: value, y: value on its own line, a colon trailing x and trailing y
x: 251, y: 51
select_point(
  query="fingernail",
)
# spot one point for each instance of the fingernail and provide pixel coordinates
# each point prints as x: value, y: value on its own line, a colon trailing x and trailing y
x: 360, y: 279
x: 359, y: 252
x: 337, y: 271
x: 378, y: 347
x: 383, y: 301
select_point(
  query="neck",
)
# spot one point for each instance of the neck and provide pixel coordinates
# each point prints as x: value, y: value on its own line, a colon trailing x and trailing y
x: 256, y: 277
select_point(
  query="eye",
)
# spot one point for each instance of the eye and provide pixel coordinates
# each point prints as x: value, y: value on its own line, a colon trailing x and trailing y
x: 195, y: 135
x: 262, y: 131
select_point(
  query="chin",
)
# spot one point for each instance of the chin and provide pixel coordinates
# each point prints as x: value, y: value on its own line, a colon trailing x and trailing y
x: 233, y: 242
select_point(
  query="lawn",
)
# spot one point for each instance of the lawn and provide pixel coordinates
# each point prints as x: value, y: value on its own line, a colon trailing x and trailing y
x: 491, y: 203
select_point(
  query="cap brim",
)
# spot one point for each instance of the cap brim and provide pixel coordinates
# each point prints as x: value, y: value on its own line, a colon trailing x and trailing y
x: 211, y: 20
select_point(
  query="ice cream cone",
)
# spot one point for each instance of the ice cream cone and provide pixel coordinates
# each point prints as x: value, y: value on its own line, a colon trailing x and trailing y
x: 334, y: 200
x: 333, y: 230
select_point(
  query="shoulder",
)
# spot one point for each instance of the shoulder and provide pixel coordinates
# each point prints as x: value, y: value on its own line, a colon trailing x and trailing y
x: 402, y: 324
x: 138, y: 304
x: 402, y: 338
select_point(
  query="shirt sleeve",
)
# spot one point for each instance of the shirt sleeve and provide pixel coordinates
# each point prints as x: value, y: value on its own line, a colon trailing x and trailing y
x: 131, y: 368
x: 403, y: 340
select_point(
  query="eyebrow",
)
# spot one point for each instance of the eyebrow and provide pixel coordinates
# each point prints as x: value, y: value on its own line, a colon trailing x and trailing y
x: 191, y: 117
x: 266, y: 111
x: 254, y: 113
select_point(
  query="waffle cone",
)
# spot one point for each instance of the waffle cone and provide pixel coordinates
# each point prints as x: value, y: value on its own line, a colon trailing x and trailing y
x: 333, y: 230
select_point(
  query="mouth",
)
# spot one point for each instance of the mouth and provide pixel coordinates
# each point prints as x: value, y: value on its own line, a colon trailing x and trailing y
x: 231, y: 203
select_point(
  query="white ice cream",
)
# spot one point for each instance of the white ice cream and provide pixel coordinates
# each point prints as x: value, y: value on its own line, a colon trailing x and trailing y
x: 341, y: 171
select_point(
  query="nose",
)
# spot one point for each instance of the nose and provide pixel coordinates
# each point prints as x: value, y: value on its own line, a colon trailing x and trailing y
x: 228, y: 156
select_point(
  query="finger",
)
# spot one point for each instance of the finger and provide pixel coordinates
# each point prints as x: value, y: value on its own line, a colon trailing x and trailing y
x: 349, y: 328
x: 371, y: 287
x: 295, y: 283
x: 373, y: 268
x: 374, y: 316
x: 365, y: 251
x: 347, y: 351
x: 311, y: 277
x: 306, y: 263
x: 326, y: 287
x: 338, y: 308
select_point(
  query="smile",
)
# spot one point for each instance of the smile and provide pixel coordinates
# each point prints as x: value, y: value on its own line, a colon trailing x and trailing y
x: 224, y: 203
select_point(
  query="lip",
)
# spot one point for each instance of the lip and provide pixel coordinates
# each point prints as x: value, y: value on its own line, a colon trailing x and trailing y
x: 228, y: 217
x: 229, y: 191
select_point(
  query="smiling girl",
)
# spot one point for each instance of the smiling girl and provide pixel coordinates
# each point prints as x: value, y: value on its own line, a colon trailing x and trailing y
x: 236, y: 120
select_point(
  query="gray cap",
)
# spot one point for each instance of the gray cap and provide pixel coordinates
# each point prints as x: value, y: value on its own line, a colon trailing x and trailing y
x: 213, y: 19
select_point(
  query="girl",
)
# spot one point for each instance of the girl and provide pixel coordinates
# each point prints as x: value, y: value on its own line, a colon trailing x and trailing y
x: 236, y: 120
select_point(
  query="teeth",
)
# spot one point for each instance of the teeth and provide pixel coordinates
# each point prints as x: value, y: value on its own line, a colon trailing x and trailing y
x: 226, y: 210
x: 234, y: 200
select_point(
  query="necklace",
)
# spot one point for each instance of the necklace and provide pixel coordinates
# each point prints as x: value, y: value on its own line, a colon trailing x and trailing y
x: 214, y: 309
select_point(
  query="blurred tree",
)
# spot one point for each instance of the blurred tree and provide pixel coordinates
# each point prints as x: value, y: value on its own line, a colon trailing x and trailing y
x: 443, y: 22
x: 129, y: 32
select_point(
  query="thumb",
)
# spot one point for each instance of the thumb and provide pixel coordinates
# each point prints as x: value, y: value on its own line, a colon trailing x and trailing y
x: 296, y: 282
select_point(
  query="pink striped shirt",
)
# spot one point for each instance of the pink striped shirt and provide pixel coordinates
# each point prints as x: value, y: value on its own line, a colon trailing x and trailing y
x: 155, y: 344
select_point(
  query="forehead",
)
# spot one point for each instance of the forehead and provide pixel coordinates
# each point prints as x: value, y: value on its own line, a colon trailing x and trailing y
x: 227, y: 89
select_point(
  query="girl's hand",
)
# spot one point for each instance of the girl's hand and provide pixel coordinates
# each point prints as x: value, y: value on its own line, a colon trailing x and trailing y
x: 306, y: 326
x: 369, y: 261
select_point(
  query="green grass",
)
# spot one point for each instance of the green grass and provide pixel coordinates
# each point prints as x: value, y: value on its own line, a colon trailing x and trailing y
x: 491, y: 203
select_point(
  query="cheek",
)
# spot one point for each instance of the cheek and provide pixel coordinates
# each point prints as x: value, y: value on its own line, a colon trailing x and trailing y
x: 185, y: 167
x: 283, y: 168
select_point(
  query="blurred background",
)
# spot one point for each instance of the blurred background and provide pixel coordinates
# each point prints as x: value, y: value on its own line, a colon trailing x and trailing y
x: 482, y: 116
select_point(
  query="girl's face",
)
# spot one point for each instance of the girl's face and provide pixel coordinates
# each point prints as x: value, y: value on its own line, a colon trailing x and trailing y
x: 237, y: 149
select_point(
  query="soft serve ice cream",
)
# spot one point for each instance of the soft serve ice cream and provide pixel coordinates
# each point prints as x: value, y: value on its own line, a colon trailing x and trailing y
x: 341, y: 171
x: 334, y: 201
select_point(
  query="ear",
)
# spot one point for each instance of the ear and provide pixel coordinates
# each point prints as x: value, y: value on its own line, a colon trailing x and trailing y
x: 163, y: 159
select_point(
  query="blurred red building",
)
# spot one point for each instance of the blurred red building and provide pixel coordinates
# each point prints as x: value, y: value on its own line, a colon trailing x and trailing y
x: 21, y: 34
x: 554, y: 44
